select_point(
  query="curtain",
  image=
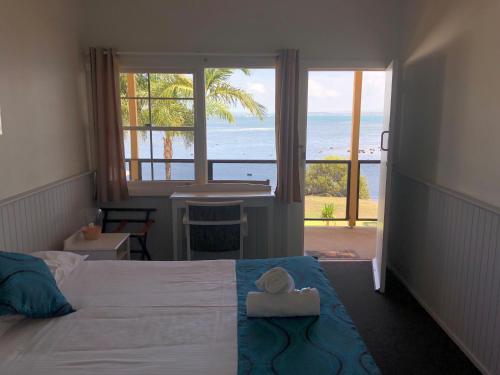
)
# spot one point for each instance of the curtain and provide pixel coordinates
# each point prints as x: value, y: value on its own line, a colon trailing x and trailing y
x: 111, y: 179
x: 288, y: 188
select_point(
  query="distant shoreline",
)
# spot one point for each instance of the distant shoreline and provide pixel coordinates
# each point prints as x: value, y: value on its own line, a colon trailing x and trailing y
x: 340, y: 113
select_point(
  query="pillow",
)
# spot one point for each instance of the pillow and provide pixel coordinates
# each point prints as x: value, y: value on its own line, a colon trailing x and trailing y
x: 28, y: 288
x: 60, y: 263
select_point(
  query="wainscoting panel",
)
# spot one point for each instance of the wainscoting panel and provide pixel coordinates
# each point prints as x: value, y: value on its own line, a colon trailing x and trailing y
x: 41, y: 219
x: 446, y: 249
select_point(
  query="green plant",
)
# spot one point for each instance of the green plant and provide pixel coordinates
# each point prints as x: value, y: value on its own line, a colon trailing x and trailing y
x: 328, y: 212
x: 331, y: 180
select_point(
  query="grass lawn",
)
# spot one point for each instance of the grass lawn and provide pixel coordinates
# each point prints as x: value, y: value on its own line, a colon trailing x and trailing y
x: 314, y: 204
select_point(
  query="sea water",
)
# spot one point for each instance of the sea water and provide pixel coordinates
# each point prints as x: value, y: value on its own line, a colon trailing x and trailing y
x: 250, y: 138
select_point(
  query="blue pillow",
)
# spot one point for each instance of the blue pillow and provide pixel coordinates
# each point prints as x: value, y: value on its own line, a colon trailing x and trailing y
x: 27, y: 287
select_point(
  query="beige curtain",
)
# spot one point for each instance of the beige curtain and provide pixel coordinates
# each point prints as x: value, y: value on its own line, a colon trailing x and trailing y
x: 111, y: 180
x: 288, y: 189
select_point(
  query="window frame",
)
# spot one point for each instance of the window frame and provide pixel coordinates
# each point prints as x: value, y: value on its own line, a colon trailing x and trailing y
x: 195, y: 65
x: 150, y: 128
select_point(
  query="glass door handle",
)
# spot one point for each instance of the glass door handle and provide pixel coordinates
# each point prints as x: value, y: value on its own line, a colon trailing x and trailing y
x: 382, y: 140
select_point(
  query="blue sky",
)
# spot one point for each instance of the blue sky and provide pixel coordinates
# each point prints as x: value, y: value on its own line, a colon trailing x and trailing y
x: 328, y: 91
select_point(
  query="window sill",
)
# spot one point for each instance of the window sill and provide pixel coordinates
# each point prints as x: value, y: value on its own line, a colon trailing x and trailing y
x: 154, y: 188
x: 166, y: 188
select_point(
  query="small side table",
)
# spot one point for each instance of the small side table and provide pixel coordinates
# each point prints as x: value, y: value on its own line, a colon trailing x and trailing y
x: 109, y: 246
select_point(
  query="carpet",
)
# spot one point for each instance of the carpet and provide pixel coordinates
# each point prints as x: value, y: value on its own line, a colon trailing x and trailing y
x: 401, y: 336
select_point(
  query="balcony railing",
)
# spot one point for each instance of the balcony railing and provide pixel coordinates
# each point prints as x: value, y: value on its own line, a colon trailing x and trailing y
x: 238, y: 176
x: 347, y: 164
x: 214, y: 173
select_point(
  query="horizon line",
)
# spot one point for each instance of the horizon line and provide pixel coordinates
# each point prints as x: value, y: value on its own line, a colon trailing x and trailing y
x: 248, y: 114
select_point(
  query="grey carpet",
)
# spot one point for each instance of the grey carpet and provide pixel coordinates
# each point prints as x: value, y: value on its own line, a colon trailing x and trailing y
x: 399, y: 333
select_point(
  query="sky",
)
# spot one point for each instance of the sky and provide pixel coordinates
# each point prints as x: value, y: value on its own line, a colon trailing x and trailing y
x: 328, y: 91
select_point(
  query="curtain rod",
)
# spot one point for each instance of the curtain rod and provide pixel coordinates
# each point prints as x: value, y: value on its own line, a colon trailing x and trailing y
x: 200, y: 54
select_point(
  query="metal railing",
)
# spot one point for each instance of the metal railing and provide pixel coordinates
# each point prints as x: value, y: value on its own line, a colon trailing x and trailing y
x: 347, y: 163
x: 212, y: 162
x: 150, y: 163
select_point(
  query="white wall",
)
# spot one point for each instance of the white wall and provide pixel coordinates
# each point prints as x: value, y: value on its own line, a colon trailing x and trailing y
x: 450, y: 129
x: 344, y: 30
x: 335, y: 33
x: 43, y: 139
x: 445, y: 234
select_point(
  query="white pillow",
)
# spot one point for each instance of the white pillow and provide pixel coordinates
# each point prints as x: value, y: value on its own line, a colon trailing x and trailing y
x: 60, y: 263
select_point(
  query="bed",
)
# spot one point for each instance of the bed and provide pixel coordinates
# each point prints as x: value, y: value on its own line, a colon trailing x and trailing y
x: 181, y: 318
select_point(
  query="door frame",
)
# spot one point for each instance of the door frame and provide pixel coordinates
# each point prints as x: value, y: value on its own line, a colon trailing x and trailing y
x: 307, y: 65
x: 380, y: 266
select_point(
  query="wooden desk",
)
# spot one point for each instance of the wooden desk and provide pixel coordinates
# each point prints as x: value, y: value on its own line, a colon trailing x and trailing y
x: 264, y: 199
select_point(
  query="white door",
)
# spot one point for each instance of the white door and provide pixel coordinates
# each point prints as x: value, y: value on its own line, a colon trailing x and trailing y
x: 386, y: 145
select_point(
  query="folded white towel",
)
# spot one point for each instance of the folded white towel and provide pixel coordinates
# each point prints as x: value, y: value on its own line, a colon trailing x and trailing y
x: 304, y: 302
x: 276, y: 280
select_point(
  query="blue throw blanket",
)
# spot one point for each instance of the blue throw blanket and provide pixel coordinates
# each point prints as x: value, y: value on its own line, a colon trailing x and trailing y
x: 328, y: 344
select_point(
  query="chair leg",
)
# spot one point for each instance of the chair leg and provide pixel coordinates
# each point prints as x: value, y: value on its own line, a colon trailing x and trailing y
x: 241, y: 246
x: 145, y: 252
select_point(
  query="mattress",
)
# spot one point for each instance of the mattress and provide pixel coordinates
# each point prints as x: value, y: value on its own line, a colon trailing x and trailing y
x: 132, y: 318
x: 180, y: 318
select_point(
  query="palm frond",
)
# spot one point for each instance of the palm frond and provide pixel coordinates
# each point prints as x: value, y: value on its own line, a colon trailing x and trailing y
x: 246, y: 71
x: 215, y: 75
x: 219, y: 110
x: 231, y: 95
x: 171, y: 85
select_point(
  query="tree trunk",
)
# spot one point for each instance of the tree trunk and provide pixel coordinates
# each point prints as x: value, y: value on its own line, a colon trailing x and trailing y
x: 167, y: 154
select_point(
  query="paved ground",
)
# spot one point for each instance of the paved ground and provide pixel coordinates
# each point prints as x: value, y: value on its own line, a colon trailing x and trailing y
x: 340, y: 242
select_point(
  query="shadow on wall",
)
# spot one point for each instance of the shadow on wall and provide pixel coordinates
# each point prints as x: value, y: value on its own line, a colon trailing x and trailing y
x: 421, y: 113
x: 409, y: 213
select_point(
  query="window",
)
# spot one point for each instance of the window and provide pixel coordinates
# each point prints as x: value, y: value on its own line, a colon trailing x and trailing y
x: 329, y: 190
x: 240, y: 124
x: 164, y: 125
x: 329, y: 125
x: 158, y: 125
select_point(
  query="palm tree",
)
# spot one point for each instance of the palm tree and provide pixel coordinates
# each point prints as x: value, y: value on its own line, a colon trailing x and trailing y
x: 220, y: 97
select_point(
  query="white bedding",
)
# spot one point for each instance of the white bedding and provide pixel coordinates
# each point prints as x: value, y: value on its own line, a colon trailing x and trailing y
x: 132, y: 318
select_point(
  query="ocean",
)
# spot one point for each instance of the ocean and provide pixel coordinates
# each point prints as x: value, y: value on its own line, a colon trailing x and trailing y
x: 250, y: 138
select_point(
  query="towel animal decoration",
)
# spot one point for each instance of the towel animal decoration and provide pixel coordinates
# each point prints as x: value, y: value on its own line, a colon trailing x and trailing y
x: 276, y: 280
x: 279, y: 298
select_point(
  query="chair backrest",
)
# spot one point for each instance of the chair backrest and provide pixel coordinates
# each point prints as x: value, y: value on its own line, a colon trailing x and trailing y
x: 214, y: 226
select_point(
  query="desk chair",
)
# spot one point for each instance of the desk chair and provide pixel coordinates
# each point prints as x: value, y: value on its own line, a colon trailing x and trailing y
x: 215, y: 227
x: 136, y: 221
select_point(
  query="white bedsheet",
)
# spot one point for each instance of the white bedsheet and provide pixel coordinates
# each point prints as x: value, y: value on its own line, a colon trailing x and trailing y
x: 132, y: 318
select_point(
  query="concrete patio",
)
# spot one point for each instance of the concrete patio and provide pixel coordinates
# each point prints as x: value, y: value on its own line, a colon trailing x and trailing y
x: 332, y: 242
